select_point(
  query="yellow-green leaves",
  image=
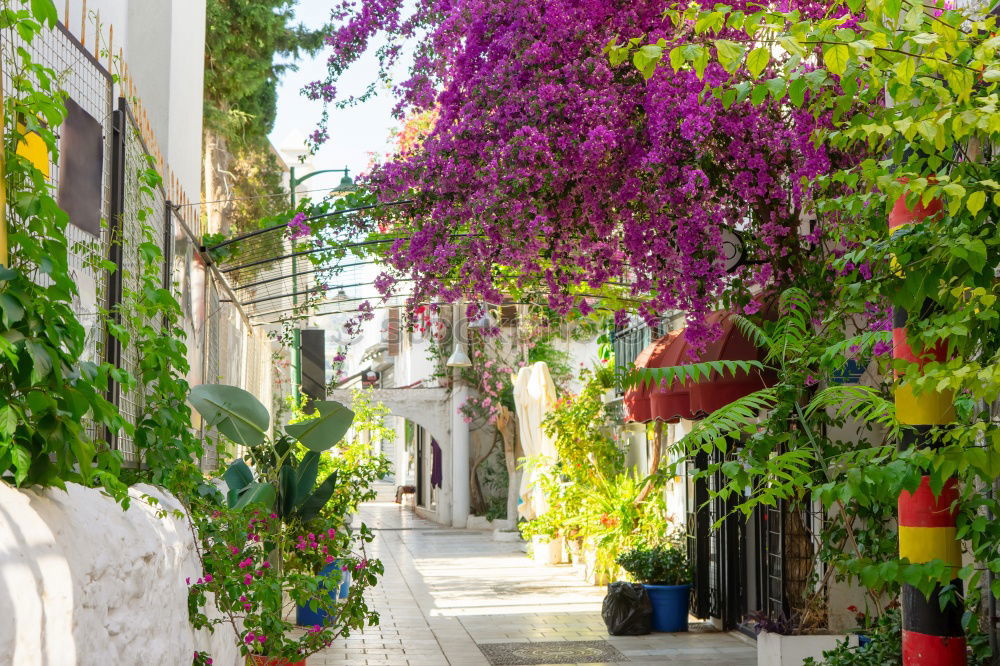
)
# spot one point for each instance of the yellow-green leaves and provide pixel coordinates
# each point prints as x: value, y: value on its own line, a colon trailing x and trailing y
x: 757, y: 61
x: 836, y: 58
x: 646, y: 57
x: 730, y: 54
x: 676, y: 58
x: 905, y: 69
x: 976, y: 201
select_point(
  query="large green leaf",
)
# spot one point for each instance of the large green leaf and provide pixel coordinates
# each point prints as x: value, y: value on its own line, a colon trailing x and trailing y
x: 237, y: 477
x: 322, y: 432
x: 236, y: 413
x: 324, y: 491
x: 256, y: 493
x: 305, y: 476
x: 286, y: 490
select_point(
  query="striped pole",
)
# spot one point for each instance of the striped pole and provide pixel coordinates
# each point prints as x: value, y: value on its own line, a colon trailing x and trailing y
x: 932, y: 635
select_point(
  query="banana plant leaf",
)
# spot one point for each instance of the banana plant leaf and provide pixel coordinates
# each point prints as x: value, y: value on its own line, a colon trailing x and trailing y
x: 286, y: 490
x: 235, y: 412
x: 305, y: 476
x: 256, y: 493
x: 322, y: 432
x: 237, y: 477
x: 311, y: 507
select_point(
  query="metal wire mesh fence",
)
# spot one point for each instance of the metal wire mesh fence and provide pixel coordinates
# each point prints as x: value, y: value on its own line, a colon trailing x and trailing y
x: 90, y: 87
x: 223, y: 347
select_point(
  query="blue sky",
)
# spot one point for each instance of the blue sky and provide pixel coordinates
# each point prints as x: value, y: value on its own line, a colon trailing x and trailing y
x: 354, y: 132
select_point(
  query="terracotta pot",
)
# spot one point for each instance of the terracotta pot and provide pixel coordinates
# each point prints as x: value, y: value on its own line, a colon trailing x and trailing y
x: 261, y: 660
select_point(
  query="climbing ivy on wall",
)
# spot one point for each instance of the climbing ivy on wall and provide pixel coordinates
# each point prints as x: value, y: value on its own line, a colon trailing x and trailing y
x: 56, y: 413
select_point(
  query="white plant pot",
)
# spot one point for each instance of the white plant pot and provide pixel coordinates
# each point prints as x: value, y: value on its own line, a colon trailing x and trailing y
x: 778, y: 650
x: 546, y: 553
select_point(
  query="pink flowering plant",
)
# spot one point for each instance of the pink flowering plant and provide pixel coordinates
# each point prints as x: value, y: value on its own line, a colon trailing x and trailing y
x: 496, y: 358
x: 556, y: 175
x: 270, y: 538
x: 249, y: 585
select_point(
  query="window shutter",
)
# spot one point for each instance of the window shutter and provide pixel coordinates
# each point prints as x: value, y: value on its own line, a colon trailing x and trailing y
x: 508, y: 315
x: 392, y: 332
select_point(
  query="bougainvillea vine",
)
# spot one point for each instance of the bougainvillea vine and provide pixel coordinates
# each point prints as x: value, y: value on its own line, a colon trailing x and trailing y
x: 553, y: 175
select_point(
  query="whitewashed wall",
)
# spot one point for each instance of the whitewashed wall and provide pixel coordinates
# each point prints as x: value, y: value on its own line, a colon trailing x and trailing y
x: 83, y: 582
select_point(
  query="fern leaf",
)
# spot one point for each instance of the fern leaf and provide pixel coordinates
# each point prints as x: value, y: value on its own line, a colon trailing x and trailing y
x: 727, y: 421
x: 682, y: 374
x: 859, y: 402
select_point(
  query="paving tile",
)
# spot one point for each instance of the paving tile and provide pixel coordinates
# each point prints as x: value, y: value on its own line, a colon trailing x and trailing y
x: 445, y: 591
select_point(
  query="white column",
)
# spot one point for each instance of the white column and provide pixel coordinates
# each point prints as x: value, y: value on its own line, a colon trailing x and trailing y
x: 459, y: 435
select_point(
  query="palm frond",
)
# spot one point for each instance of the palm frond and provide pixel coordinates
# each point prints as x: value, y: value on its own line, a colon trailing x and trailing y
x: 753, y: 332
x: 681, y: 374
x: 861, y: 344
x: 859, y: 402
x: 726, y: 422
x: 794, y: 327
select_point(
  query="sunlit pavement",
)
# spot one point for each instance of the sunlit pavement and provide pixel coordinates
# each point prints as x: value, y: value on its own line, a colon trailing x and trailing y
x: 446, y: 591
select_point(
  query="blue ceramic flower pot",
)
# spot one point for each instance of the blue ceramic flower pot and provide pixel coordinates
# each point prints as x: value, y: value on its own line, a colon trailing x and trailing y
x: 670, y: 606
x: 306, y: 617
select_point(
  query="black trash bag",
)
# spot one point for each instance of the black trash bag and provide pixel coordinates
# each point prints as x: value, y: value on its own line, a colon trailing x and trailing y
x: 627, y: 610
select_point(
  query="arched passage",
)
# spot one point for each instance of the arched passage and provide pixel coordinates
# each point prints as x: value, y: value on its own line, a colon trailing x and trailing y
x: 427, y: 407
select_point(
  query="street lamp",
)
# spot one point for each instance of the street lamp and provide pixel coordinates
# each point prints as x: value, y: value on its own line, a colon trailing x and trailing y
x: 346, y: 185
x: 458, y: 358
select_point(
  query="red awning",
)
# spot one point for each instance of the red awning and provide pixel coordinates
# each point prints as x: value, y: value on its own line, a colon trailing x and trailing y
x: 636, y: 400
x: 718, y: 391
x: 695, y: 399
x: 672, y: 403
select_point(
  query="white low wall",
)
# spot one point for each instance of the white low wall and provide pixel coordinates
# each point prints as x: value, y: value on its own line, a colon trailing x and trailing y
x: 83, y: 582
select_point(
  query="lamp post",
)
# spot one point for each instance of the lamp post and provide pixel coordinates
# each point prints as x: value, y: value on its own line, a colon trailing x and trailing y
x: 459, y: 428
x: 346, y: 185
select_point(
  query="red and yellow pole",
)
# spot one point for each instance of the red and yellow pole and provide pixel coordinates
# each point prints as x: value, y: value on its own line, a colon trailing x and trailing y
x: 932, y: 635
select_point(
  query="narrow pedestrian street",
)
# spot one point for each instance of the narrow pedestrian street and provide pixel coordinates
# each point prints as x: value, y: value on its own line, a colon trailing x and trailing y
x: 459, y: 598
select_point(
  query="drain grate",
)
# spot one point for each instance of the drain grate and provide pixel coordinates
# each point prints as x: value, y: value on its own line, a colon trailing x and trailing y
x: 553, y: 652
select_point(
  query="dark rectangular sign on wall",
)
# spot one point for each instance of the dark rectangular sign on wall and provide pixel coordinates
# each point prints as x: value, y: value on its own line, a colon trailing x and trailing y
x: 81, y: 164
x: 314, y: 363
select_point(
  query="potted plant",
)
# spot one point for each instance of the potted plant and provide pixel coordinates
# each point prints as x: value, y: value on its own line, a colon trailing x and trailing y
x: 356, y: 467
x: 234, y: 547
x: 881, y: 645
x: 246, y: 541
x: 783, y: 641
x: 666, y: 574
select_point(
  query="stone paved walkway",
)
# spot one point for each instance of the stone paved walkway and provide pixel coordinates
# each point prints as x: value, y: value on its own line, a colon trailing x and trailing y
x: 447, y: 591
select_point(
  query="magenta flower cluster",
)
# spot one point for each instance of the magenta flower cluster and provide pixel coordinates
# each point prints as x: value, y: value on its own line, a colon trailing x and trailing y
x: 298, y: 228
x: 571, y: 173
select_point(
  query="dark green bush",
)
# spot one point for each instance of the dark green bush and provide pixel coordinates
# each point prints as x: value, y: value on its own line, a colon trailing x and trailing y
x: 664, y: 564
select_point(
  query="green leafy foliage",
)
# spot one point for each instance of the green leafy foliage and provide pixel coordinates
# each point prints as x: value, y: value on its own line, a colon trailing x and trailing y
x: 56, y: 417
x: 241, y: 73
x: 663, y: 564
x: 235, y: 412
x: 883, y: 648
x: 284, y: 482
x: 592, y: 500
x: 325, y: 429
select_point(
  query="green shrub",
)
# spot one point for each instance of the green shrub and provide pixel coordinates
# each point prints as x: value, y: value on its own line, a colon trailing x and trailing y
x: 665, y: 564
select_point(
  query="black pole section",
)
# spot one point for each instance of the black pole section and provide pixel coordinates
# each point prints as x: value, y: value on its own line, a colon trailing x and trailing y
x: 112, y: 346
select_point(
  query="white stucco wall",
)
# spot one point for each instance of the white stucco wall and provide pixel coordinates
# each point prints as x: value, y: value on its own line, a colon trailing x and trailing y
x: 83, y: 582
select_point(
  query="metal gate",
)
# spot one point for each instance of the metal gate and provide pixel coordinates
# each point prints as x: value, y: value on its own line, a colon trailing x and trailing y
x: 727, y: 576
